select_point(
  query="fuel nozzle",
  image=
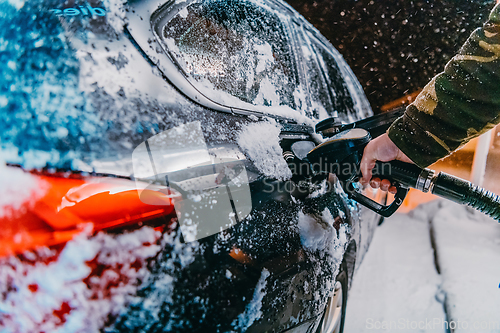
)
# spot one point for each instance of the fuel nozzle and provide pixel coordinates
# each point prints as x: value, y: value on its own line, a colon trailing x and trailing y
x: 342, y: 153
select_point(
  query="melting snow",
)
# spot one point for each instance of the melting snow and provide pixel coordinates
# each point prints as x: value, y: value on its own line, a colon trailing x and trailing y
x: 260, y: 141
x: 253, y: 310
x: 66, y: 295
x: 18, y: 187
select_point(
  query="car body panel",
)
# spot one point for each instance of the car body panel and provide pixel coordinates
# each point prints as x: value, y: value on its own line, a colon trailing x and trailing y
x: 102, y: 86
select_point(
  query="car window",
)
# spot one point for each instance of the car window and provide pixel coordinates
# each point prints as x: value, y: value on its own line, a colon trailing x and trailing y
x: 232, y: 48
x: 319, y: 92
x: 338, y: 91
x: 332, y: 84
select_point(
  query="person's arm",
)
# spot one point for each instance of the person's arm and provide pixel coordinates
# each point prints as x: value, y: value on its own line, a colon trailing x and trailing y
x: 457, y: 105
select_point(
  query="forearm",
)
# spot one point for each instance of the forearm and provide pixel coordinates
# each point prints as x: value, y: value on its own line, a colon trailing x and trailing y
x: 458, y: 104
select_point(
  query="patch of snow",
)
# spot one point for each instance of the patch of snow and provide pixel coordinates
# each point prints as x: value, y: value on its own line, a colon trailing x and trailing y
x: 18, y: 189
x: 313, y: 235
x: 66, y: 295
x: 115, y: 15
x: 183, y: 12
x: 264, y: 56
x: 396, y: 286
x: 468, y: 252
x: 267, y: 93
x: 316, y: 236
x: 18, y: 4
x: 253, y: 310
x: 260, y: 141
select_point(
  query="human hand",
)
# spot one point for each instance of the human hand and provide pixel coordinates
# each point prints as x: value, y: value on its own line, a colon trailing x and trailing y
x: 384, y: 150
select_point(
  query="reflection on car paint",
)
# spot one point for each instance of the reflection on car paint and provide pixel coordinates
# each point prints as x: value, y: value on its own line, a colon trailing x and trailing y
x: 215, y: 191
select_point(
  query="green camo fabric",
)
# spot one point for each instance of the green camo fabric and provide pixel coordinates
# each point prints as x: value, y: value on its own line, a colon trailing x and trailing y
x: 458, y: 104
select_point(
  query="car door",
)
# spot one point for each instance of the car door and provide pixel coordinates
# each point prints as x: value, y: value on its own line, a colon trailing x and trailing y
x: 274, y: 267
x: 334, y: 87
x: 294, y: 237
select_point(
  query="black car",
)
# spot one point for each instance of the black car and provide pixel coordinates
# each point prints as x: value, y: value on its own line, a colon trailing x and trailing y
x: 154, y: 177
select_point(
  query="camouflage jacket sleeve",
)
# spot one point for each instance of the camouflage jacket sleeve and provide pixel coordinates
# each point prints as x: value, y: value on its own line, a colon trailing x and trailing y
x: 458, y: 104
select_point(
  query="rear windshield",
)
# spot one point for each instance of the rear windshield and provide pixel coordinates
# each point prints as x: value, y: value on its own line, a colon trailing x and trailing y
x: 233, y: 47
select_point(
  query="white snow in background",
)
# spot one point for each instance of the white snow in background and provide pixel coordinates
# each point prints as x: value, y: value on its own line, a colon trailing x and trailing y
x: 397, y: 283
x: 18, y: 188
x: 253, y: 310
x: 260, y: 141
x: 61, y: 281
x: 468, y: 248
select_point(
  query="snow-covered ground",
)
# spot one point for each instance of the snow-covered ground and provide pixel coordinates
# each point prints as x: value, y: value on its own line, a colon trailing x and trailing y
x: 398, y: 288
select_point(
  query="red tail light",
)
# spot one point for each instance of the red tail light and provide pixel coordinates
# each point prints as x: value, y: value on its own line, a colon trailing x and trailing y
x: 70, y: 205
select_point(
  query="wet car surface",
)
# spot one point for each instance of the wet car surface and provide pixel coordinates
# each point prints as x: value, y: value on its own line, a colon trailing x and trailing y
x: 145, y: 185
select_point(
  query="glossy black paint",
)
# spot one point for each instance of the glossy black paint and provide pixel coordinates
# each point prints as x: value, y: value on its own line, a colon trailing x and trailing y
x: 263, y: 274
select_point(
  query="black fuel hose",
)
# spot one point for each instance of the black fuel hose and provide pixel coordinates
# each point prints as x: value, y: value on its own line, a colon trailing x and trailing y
x: 342, y: 154
x: 466, y: 193
x: 443, y: 185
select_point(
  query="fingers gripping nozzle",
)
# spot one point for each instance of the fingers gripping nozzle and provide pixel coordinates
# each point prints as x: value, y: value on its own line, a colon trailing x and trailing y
x: 342, y: 154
